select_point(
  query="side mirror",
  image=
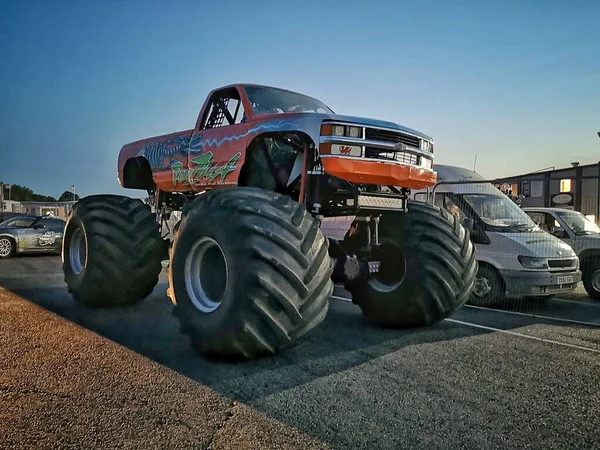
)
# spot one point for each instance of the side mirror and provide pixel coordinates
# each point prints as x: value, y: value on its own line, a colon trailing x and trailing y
x: 469, y: 224
x: 559, y: 232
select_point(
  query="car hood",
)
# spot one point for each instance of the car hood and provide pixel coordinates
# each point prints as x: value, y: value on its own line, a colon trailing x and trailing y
x: 540, y: 245
x: 589, y: 241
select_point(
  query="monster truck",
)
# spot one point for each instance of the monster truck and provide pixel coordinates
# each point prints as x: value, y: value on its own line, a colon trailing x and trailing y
x: 250, y: 270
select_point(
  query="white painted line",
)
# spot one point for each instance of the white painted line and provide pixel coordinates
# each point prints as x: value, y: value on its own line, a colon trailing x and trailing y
x: 499, y: 330
x: 533, y: 316
x: 577, y: 302
x: 526, y: 336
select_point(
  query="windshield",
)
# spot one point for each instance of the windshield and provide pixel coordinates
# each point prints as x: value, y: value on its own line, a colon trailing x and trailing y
x: 266, y: 100
x: 500, y: 211
x: 21, y: 222
x: 578, y: 223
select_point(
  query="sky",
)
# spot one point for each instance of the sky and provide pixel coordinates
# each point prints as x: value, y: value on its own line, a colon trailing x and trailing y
x: 516, y: 83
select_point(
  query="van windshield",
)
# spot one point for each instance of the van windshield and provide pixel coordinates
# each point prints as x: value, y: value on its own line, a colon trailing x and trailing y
x: 500, y: 212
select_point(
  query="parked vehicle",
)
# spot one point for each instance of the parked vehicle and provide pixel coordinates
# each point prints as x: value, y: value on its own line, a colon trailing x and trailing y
x: 516, y: 258
x: 582, y: 235
x: 31, y: 234
x: 250, y: 271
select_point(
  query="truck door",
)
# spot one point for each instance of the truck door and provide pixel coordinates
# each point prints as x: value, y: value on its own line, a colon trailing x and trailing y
x: 218, y: 144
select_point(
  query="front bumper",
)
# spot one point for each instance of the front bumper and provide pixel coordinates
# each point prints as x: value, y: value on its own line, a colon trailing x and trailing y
x: 532, y: 283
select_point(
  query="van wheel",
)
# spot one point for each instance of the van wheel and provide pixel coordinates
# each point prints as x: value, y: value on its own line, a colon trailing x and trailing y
x: 591, y: 282
x: 489, y: 288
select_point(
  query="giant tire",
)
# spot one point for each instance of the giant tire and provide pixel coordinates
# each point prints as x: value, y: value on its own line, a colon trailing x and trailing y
x: 275, y: 282
x: 123, y: 251
x: 438, y: 274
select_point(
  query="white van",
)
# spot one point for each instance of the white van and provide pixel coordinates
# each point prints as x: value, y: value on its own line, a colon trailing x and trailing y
x: 516, y: 257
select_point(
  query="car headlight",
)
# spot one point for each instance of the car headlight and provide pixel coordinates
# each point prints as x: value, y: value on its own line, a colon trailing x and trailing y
x: 426, y: 146
x: 531, y: 262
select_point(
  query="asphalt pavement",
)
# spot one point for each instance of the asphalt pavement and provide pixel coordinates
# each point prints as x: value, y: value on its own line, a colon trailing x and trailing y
x: 524, y: 377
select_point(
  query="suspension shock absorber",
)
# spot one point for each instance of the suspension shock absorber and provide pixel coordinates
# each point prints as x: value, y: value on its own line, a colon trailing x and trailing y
x: 375, y: 220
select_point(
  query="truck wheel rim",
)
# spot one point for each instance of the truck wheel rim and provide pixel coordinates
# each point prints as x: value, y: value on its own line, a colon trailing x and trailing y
x: 5, y: 247
x: 206, y: 275
x: 596, y: 280
x: 392, y: 269
x: 482, y: 287
x: 77, y: 251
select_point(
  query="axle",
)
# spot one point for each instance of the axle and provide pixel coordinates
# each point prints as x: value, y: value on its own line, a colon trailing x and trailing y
x: 351, y: 265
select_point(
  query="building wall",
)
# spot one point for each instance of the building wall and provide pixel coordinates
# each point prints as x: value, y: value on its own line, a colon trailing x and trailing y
x: 12, y: 206
x: 589, y: 197
x: 582, y: 183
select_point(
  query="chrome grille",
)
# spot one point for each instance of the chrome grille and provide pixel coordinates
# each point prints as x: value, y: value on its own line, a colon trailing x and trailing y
x: 391, y: 136
x: 381, y: 153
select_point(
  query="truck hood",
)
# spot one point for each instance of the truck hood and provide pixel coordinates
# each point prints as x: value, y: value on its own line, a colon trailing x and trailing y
x: 375, y: 123
x: 540, y: 245
x: 312, y: 118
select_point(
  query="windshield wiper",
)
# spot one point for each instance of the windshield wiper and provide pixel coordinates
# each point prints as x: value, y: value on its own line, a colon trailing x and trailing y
x: 520, y: 227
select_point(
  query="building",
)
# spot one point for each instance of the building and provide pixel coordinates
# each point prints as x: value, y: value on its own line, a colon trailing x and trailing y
x: 57, y: 209
x: 11, y: 206
x: 576, y: 187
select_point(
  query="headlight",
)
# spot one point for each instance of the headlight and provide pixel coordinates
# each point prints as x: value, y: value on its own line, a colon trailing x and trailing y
x: 338, y: 130
x: 354, y: 132
x: 530, y: 262
x: 348, y: 131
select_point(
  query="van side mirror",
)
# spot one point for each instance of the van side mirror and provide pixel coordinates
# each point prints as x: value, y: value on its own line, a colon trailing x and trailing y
x: 469, y: 224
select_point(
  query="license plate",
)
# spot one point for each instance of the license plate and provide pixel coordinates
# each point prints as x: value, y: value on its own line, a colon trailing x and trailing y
x: 565, y: 280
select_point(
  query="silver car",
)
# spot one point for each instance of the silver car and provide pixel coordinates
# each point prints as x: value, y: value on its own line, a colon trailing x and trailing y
x: 29, y: 234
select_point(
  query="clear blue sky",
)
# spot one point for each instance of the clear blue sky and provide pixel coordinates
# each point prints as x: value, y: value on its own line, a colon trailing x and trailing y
x: 515, y: 82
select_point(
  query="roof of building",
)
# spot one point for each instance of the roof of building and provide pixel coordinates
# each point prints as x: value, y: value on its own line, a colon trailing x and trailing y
x: 542, y: 172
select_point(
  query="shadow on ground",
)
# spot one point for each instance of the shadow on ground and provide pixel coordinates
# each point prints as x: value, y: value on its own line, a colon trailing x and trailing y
x: 343, y: 340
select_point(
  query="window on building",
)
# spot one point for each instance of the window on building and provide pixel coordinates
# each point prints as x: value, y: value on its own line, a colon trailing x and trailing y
x: 565, y: 185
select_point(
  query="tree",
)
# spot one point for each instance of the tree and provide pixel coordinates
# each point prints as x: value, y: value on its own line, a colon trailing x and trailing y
x: 24, y: 194
x: 67, y: 197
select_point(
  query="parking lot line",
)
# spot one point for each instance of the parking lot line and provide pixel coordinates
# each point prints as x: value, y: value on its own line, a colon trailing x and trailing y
x: 595, y: 304
x: 514, y: 333
x: 534, y: 316
x: 526, y: 336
